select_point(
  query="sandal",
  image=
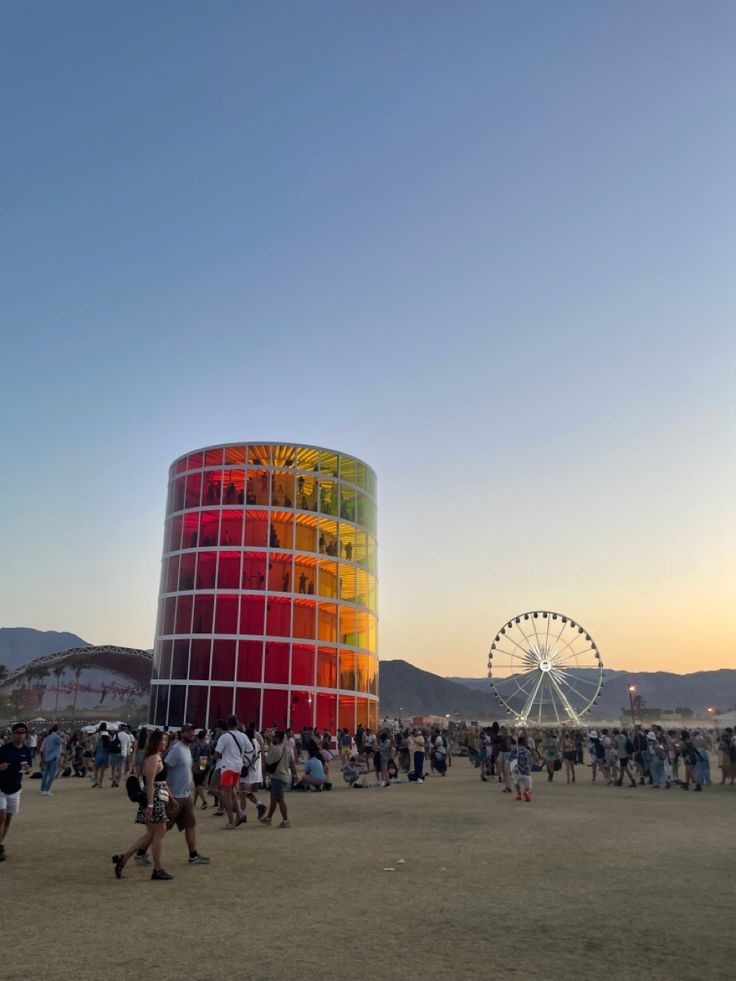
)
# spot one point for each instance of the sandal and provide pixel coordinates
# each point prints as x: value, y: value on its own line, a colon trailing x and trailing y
x: 119, y: 862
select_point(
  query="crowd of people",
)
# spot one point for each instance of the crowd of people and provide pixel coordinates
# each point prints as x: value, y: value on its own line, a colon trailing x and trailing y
x: 171, y: 775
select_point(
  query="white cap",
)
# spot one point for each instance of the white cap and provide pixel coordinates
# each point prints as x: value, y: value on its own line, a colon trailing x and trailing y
x: 651, y: 735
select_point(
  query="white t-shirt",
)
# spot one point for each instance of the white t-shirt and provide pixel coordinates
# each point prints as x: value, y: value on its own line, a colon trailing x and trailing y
x: 126, y: 741
x: 231, y: 745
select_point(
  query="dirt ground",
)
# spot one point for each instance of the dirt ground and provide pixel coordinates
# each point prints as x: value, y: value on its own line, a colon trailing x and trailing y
x: 587, y: 881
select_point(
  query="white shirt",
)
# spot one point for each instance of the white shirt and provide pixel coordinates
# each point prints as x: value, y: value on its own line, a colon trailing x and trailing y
x: 231, y: 745
x: 126, y: 741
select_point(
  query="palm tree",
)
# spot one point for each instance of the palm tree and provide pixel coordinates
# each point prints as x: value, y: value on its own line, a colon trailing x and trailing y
x: 79, y: 667
x: 58, y: 671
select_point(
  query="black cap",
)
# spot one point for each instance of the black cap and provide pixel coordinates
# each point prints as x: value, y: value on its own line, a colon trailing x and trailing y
x: 187, y: 727
x: 20, y: 727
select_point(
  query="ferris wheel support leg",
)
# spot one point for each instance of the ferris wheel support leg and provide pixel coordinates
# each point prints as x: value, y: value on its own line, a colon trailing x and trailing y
x: 568, y: 707
x: 524, y: 714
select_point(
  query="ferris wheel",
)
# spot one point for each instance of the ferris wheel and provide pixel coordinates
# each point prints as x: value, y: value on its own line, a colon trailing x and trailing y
x: 545, y: 667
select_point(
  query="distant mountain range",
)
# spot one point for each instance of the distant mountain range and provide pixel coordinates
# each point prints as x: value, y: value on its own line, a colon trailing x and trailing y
x: 19, y: 645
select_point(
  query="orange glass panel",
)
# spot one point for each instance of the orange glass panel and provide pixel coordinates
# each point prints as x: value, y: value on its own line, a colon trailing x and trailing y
x: 280, y: 572
x: 256, y: 528
x: 258, y: 489
x: 304, y: 624
x: 305, y: 575
x: 348, y: 625
x: 361, y: 712
x: 282, y: 489
x: 327, y: 622
x: 302, y: 664
x: 361, y: 672
x: 281, y: 530
x: 373, y: 715
x: 372, y: 669
x: 235, y: 455
x: 346, y: 664
x: 346, y: 713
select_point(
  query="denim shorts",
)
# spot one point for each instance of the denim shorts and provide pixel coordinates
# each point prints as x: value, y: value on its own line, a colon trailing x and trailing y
x: 278, y: 789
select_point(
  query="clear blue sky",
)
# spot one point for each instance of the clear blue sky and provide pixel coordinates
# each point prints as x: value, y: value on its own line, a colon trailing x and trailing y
x: 488, y: 247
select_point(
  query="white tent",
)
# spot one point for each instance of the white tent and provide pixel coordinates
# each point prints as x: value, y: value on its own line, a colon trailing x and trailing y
x: 725, y: 720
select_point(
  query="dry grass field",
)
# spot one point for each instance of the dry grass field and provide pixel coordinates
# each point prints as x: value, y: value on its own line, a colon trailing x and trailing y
x: 586, y: 882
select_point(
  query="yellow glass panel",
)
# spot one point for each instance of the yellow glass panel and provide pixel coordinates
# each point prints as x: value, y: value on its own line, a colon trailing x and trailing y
x: 282, y: 489
x: 328, y: 497
x: 306, y: 458
x: 348, y: 624
x: 361, y: 548
x: 361, y: 672
x: 327, y: 622
x: 372, y: 675
x: 259, y: 456
x: 257, y: 490
x: 347, y: 503
x: 328, y: 462
x: 347, y: 468
x: 328, y: 536
x: 347, y: 542
x: 283, y: 456
x: 306, y: 492
x: 362, y: 579
x: 328, y: 579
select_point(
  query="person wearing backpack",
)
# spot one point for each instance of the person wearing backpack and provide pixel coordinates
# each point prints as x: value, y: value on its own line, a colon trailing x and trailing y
x: 624, y: 748
x: 116, y: 758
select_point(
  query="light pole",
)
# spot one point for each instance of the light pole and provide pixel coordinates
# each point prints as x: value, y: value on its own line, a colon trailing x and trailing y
x: 632, y: 689
x: 712, y: 712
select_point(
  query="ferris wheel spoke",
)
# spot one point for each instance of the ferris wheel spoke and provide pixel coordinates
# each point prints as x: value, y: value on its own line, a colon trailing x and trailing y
x: 567, y: 672
x: 584, y: 698
x: 526, y: 658
x: 540, y: 646
x: 550, y: 683
x: 517, y: 644
x: 530, y: 679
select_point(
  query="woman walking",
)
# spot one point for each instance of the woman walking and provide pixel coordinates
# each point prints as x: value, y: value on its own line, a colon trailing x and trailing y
x: 201, y: 763
x: 570, y: 755
x: 102, y: 755
x: 550, y: 754
x: 152, y: 809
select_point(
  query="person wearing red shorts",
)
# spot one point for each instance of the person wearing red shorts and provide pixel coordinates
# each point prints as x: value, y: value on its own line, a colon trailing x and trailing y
x: 230, y: 748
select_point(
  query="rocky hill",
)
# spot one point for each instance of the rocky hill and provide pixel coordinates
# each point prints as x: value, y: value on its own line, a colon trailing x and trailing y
x: 18, y: 645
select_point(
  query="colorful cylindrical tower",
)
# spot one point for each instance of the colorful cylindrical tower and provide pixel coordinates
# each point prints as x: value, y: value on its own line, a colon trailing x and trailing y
x: 268, y: 598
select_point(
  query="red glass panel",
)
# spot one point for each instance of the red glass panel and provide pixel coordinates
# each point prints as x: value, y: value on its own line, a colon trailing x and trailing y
x: 302, y: 665
x: 175, y: 527
x: 190, y: 530
x: 231, y: 528
x: 233, y: 484
x: 199, y: 662
x: 235, y: 454
x: 179, y: 492
x: 228, y: 570
x: 165, y: 661
x: 193, y: 493
x: 195, y: 461
x: 254, y: 570
x: 172, y: 574
x: 275, y: 705
x: 206, y: 564
x: 346, y: 713
x: 209, y: 524
x: 186, y: 570
x: 197, y: 705
x: 276, y: 668
x: 184, y: 615
x: 327, y: 712
x: 177, y: 698
x: 326, y: 667
x: 278, y: 617
x: 252, y: 615
x: 327, y: 622
x: 250, y: 660
x: 204, y: 608
x: 302, y: 709
x: 213, y: 458
x: 248, y: 706
x: 256, y: 528
x: 170, y: 617
x: 304, y: 619
x: 181, y: 465
x: 161, y: 705
x: 223, y: 660
x: 226, y: 615
x: 221, y: 704
x: 180, y: 661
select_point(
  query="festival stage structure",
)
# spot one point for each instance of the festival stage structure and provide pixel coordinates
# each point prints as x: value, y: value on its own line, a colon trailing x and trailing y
x: 268, y: 602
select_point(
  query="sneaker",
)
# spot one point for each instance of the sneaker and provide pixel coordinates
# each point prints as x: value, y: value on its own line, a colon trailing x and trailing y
x: 161, y: 875
x: 142, y: 859
x: 518, y: 796
x: 419, y: 780
x: 198, y: 860
x: 261, y: 809
x: 265, y: 821
x: 217, y: 814
x: 231, y: 827
x: 284, y: 824
x: 119, y: 862
x: 242, y: 818
x: 203, y: 807
x: 2, y: 853
x: 527, y: 796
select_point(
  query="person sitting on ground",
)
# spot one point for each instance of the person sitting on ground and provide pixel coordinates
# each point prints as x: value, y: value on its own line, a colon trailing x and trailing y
x: 351, y: 774
x: 314, y: 773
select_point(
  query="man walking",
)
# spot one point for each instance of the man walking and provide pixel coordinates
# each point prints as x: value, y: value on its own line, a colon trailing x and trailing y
x: 230, y: 748
x: 278, y: 764
x: 126, y: 747
x: 179, y: 774
x: 51, y: 753
x: 15, y: 760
